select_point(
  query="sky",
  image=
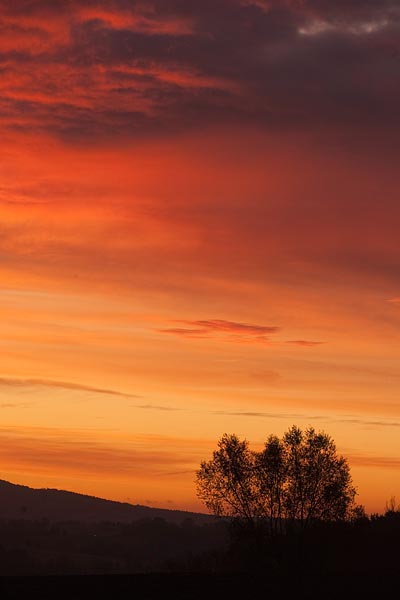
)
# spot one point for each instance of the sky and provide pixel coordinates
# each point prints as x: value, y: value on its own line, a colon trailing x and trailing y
x: 199, y: 235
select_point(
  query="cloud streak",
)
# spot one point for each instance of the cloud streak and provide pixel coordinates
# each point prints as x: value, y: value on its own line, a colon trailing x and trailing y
x: 304, y: 343
x: 157, y: 407
x: 220, y: 325
x: 64, y: 385
x: 346, y: 420
x: 378, y: 462
x: 81, y: 453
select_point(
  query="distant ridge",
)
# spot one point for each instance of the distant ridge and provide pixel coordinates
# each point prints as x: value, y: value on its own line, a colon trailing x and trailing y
x: 23, y: 502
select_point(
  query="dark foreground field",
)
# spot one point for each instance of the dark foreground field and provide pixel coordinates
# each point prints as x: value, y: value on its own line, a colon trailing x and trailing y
x: 183, y: 556
x: 197, y: 586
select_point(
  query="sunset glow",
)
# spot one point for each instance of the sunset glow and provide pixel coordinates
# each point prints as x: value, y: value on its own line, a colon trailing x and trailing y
x: 199, y: 212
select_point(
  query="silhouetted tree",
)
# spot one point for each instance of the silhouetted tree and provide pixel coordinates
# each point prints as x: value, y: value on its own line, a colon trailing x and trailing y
x: 228, y: 483
x: 293, y: 481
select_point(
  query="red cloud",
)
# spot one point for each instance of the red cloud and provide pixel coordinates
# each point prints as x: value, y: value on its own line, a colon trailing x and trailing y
x: 230, y: 330
x: 233, y: 327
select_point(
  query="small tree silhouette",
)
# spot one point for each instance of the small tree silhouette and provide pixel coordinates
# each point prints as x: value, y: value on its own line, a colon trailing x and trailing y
x: 294, y: 481
x: 392, y: 506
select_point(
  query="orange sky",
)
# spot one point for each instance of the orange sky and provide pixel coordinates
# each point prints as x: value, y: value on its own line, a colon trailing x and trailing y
x: 192, y: 246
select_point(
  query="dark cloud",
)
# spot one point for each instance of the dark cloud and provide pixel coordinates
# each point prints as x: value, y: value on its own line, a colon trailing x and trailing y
x: 281, y: 64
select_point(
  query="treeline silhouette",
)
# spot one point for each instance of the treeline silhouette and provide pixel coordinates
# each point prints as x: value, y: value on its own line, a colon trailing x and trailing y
x: 365, y: 545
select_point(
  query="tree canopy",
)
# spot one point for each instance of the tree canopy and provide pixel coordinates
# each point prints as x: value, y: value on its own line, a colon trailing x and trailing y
x: 296, y: 479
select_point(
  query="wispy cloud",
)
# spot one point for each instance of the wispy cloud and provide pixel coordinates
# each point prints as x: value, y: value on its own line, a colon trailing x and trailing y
x: 267, y: 415
x: 80, y: 452
x: 380, y: 462
x: 156, y: 407
x: 187, y: 333
x: 367, y: 422
x: 306, y: 343
x: 346, y: 419
x: 65, y: 385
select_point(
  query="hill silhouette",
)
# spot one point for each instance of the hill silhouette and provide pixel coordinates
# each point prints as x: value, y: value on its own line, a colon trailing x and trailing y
x: 50, y: 538
x: 23, y: 502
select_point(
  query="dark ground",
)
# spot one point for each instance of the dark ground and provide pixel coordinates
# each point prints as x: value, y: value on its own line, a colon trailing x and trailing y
x: 154, y: 558
x: 196, y: 586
